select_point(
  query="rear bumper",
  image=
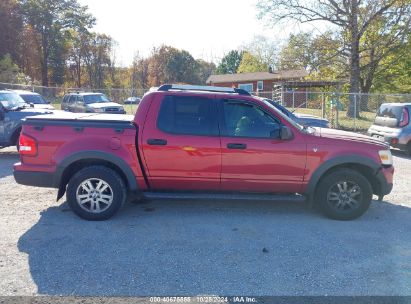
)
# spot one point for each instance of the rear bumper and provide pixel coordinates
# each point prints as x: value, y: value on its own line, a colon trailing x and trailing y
x: 385, y: 178
x: 34, y: 178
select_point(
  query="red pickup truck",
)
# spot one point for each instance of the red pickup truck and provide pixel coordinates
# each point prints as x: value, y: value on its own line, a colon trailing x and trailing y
x: 196, y: 142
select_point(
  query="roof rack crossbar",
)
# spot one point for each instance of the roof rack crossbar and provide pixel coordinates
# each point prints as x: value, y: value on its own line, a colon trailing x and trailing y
x: 168, y: 87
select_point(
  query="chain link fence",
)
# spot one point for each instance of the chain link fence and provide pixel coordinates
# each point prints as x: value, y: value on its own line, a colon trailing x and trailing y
x: 354, y: 112
x: 55, y: 95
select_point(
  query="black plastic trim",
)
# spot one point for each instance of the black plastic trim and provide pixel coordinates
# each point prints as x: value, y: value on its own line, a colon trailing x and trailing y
x: 97, y: 155
x: 34, y: 178
x: 79, y: 123
x: 341, y: 160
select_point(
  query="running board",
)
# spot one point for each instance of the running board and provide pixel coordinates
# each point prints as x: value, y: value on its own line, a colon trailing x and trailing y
x: 223, y: 196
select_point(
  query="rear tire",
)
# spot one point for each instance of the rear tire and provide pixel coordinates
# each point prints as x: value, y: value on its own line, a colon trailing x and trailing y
x: 96, y: 193
x: 343, y: 195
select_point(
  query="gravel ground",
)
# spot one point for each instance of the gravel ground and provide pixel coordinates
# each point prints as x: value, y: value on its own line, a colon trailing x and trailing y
x: 207, y: 247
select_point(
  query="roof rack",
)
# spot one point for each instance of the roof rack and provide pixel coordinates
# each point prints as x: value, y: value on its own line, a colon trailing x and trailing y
x: 70, y: 91
x: 168, y: 87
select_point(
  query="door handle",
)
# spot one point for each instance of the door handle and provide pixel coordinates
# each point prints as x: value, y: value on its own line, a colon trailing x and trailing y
x: 237, y: 146
x: 157, y: 142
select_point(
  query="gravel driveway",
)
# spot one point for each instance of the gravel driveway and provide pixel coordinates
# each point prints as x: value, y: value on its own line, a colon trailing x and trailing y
x: 202, y: 247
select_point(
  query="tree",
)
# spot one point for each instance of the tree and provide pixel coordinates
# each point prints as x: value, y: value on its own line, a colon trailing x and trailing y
x: 264, y: 49
x: 230, y: 62
x: 97, y: 51
x: 170, y: 65
x: 181, y: 67
x: 297, y: 53
x: 316, y: 54
x: 205, y: 69
x: 51, y: 19
x: 352, y: 18
x: 9, y: 71
x: 11, y: 25
x: 251, y: 63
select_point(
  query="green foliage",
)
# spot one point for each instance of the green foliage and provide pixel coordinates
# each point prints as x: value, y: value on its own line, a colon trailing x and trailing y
x: 9, y: 71
x: 250, y: 63
x: 11, y: 25
x: 264, y: 49
x: 52, y: 20
x: 230, y: 62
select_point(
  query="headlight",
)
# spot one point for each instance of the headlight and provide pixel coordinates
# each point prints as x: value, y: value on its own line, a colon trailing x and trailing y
x: 120, y: 109
x: 385, y: 157
x: 98, y: 110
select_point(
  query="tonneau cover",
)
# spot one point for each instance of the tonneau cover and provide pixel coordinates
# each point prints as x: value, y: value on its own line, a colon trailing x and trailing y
x: 61, y: 116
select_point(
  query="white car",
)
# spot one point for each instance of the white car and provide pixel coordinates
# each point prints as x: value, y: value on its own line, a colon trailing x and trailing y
x: 34, y: 99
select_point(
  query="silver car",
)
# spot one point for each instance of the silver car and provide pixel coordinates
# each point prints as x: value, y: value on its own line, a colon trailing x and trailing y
x: 392, y: 125
x: 83, y: 102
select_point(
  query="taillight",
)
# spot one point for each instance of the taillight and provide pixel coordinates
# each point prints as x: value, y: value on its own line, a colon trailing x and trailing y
x: 27, y: 145
x: 405, y: 117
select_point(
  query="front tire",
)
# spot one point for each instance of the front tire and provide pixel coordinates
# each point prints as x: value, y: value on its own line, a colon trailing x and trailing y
x: 96, y: 193
x: 344, y: 195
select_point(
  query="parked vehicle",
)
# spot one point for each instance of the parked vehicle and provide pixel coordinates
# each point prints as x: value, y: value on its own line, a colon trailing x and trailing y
x: 34, y: 99
x: 302, y: 119
x: 392, y: 125
x: 132, y: 100
x: 12, y: 110
x: 86, y: 102
x: 196, y: 142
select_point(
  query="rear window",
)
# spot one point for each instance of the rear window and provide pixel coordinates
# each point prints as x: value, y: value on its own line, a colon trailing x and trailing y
x: 390, y: 111
x: 187, y: 115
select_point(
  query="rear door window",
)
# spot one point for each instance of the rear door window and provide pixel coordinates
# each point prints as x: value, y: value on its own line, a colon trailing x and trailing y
x: 188, y: 115
x: 389, y: 115
x: 390, y: 111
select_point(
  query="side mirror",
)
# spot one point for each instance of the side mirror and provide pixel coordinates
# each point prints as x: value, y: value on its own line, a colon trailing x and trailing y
x: 31, y: 105
x: 286, y: 133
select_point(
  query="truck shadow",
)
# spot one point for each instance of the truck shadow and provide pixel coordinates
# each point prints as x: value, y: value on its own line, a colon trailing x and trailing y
x: 230, y: 248
x: 7, y: 160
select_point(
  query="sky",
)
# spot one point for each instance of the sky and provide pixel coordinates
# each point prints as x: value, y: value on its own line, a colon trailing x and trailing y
x: 207, y: 29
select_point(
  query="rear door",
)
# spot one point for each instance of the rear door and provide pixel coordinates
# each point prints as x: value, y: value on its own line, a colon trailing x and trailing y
x: 181, y: 143
x: 254, y: 157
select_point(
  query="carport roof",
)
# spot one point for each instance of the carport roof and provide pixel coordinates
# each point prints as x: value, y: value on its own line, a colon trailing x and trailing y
x: 275, y: 76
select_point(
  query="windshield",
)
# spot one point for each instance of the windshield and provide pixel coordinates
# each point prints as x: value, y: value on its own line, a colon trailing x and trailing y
x: 280, y: 112
x: 35, y: 99
x: 97, y: 98
x: 11, y: 101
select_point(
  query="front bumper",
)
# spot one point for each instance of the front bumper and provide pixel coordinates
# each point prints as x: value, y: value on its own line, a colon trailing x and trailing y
x: 385, y: 177
x: 114, y: 112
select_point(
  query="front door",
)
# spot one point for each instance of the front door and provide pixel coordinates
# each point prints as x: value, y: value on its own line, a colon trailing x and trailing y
x: 254, y: 158
x: 181, y: 143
